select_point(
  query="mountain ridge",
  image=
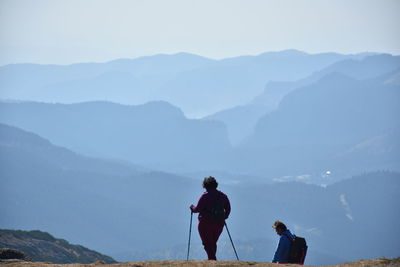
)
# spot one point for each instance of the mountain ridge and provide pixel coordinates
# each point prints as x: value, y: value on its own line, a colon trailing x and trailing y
x: 241, y: 120
x: 41, y: 246
x: 197, y: 85
x: 143, y: 134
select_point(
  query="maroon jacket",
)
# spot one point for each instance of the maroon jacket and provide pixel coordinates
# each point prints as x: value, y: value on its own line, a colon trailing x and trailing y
x: 206, y: 202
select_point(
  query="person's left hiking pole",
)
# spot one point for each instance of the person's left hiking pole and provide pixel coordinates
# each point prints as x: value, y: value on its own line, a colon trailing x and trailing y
x: 190, y: 233
x: 226, y: 226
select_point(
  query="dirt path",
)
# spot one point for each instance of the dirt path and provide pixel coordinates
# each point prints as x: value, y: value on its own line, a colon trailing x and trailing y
x: 366, y: 263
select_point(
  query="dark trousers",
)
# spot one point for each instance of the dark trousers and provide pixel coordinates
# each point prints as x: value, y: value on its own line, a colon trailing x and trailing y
x: 209, y: 233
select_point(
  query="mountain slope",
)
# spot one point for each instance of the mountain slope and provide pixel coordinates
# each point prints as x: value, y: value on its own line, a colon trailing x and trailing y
x: 315, y: 124
x: 241, y: 120
x: 43, y: 247
x: 363, y: 68
x: 156, y: 134
x: 15, y: 142
x: 106, y: 211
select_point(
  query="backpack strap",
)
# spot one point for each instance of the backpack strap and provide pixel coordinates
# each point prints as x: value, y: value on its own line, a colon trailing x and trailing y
x: 288, y: 237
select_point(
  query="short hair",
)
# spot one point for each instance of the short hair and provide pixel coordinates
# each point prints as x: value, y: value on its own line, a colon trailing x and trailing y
x: 210, y: 183
x: 279, y: 225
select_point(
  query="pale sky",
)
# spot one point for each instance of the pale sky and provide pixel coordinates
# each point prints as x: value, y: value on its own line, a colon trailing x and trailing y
x: 70, y: 31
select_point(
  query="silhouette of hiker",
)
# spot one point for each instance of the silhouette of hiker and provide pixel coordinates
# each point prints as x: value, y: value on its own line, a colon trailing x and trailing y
x: 213, y: 208
x: 284, y: 245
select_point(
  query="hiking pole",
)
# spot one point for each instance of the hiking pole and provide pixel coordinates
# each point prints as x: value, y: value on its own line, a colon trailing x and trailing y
x: 226, y: 226
x: 190, y: 233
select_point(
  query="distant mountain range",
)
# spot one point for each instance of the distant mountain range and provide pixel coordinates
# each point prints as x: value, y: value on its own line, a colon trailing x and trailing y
x: 241, y: 120
x: 361, y: 69
x: 199, y: 86
x: 43, y: 247
x: 155, y: 134
x: 323, y: 123
x: 122, y: 214
x: 17, y: 143
x: 315, y: 125
x: 319, y: 149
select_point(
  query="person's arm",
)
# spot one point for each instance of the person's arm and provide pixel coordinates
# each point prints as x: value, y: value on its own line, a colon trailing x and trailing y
x: 227, y: 207
x: 200, y: 205
x: 282, y: 249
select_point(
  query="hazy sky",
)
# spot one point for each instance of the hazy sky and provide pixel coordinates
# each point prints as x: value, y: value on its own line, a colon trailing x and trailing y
x: 68, y: 31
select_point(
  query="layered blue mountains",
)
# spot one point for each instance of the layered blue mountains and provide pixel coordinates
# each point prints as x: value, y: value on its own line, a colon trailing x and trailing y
x: 111, y: 155
x: 198, y: 85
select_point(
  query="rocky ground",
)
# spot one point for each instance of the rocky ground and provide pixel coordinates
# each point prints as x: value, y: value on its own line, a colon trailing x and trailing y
x: 363, y: 263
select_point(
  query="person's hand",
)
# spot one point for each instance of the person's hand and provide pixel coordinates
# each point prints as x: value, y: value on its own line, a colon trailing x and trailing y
x: 192, y: 207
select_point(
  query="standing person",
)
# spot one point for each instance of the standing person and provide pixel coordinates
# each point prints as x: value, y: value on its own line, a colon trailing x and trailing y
x: 213, y: 208
x: 284, y: 245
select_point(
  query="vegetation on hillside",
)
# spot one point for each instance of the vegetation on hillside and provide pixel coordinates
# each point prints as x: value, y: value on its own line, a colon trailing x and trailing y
x: 43, y: 247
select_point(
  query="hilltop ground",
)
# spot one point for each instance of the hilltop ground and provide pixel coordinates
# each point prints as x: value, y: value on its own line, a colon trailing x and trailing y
x: 363, y: 263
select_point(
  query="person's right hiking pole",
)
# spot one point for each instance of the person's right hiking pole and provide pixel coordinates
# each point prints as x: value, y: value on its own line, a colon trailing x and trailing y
x: 190, y: 233
x: 226, y: 226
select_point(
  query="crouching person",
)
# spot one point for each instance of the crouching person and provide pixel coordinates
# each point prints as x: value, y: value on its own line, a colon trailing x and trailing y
x: 285, y: 243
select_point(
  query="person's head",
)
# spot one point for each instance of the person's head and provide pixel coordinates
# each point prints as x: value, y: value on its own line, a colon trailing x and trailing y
x: 279, y: 227
x: 210, y: 183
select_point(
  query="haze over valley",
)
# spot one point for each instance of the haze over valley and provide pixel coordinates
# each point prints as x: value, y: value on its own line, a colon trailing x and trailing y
x: 111, y: 155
